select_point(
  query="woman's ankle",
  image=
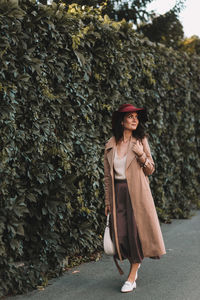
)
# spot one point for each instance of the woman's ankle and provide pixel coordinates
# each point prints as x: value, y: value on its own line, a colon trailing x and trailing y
x: 133, y: 272
x: 132, y: 278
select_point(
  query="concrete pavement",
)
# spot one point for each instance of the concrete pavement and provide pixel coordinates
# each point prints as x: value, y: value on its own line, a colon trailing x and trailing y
x: 176, y: 276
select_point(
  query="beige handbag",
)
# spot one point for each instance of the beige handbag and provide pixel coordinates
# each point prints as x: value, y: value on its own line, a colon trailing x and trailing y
x: 108, y: 245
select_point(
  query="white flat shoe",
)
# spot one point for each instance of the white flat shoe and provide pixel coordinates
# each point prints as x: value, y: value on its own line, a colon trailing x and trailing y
x: 128, y: 287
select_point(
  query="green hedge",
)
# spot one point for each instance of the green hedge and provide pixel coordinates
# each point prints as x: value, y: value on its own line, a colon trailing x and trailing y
x: 62, y: 74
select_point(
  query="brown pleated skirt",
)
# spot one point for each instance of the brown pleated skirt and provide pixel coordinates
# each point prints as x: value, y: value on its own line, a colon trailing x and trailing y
x: 128, y: 237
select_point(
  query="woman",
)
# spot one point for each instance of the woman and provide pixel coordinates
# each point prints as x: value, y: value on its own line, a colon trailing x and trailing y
x: 127, y: 164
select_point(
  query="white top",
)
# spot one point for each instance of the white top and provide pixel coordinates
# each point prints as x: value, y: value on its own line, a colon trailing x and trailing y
x: 119, y: 166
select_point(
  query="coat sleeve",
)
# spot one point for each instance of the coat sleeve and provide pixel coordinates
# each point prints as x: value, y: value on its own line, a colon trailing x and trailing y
x: 146, y: 159
x: 107, y: 180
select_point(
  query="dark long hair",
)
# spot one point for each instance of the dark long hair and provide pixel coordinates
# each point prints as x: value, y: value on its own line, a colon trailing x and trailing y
x: 117, y: 128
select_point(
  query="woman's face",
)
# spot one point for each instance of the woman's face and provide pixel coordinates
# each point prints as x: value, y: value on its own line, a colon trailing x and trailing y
x: 130, y: 121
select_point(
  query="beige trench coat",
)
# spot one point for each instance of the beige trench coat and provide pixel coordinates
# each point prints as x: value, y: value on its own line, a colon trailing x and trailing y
x: 140, y: 194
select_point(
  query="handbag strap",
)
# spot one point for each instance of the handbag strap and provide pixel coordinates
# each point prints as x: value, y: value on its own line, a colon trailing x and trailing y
x: 107, y: 220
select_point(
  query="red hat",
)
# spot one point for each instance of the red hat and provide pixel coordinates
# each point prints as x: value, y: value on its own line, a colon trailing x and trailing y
x: 128, y: 108
x: 124, y: 108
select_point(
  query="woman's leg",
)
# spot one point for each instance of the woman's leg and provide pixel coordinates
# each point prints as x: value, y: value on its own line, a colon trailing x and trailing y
x: 132, y: 272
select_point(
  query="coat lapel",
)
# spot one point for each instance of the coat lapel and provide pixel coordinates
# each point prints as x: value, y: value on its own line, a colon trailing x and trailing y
x: 110, y: 157
x: 110, y: 148
x: 130, y: 153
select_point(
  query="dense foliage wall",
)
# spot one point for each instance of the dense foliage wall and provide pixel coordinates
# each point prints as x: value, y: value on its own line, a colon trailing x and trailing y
x: 62, y: 74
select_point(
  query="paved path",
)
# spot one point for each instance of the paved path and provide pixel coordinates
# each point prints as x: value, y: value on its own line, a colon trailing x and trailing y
x: 175, y: 277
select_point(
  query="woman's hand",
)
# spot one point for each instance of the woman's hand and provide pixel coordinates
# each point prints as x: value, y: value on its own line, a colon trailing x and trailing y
x: 138, y: 148
x: 107, y: 210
